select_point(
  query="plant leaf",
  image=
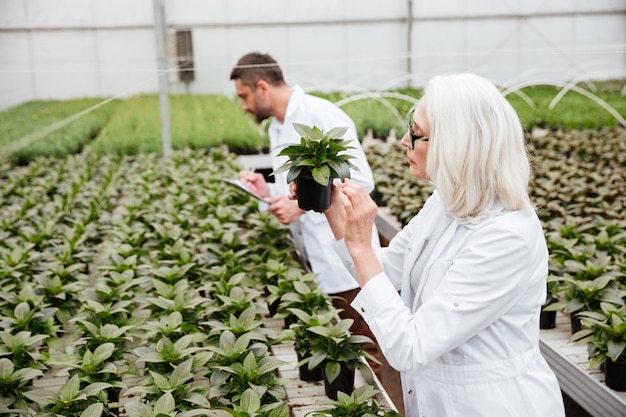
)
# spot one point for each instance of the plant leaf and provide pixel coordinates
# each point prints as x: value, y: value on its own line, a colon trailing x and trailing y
x: 94, y: 410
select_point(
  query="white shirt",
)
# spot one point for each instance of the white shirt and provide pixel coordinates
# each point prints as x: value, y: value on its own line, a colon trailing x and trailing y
x: 467, y: 339
x: 312, y: 232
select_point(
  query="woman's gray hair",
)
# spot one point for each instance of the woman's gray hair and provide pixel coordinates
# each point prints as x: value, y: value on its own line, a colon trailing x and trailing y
x: 477, y: 153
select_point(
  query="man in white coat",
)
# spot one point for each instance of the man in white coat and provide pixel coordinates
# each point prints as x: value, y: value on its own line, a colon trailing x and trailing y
x: 263, y: 92
x: 471, y: 267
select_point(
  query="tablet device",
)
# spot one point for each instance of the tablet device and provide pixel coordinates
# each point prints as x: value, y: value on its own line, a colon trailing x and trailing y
x: 239, y: 185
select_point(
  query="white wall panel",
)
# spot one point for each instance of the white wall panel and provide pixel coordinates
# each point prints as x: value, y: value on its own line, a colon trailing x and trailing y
x: 122, y: 12
x: 195, y: 12
x: 16, y: 80
x: 317, y: 55
x: 378, y: 10
x: 126, y: 62
x: 13, y: 14
x: 60, y: 48
x: 376, y: 55
x: 65, y: 64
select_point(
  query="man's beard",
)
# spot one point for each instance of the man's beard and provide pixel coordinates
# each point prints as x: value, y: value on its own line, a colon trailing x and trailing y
x: 260, y: 117
x: 262, y: 112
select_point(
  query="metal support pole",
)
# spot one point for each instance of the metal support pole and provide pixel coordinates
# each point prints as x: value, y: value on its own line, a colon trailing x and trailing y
x: 159, y: 29
x: 409, y: 44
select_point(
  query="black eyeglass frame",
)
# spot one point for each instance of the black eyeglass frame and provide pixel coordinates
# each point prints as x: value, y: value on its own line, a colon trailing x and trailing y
x: 412, y: 136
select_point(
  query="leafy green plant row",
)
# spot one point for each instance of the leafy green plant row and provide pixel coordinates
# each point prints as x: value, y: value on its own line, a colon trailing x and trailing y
x: 146, y: 254
x: 132, y: 126
x: 145, y: 281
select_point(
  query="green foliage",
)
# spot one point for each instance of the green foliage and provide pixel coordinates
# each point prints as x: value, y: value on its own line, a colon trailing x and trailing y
x: 358, y: 404
x: 179, y: 383
x: 604, y: 332
x: 197, y: 121
x: 13, y: 385
x: 164, y: 406
x: 29, y: 119
x: 573, y: 111
x: 322, y: 154
x: 69, y: 400
x: 131, y: 126
x: 166, y: 355
x: 23, y: 349
x: 336, y: 347
x: 250, y: 405
x: 241, y: 364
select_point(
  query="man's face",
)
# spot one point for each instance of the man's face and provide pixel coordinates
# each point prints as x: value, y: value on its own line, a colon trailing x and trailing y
x: 253, y: 101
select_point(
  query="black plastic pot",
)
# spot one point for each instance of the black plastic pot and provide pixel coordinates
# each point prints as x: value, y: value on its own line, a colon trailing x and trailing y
x: 289, y: 320
x: 306, y: 374
x: 312, y: 195
x: 344, y: 383
x: 615, y: 374
x: 547, y: 320
x: 575, y: 321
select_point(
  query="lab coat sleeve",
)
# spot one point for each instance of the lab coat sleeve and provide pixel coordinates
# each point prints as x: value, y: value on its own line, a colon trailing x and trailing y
x: 391, y: 258
x: 487, y: 275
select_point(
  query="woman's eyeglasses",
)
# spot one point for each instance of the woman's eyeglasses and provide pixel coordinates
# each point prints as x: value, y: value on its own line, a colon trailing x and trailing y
x: 412, y: 136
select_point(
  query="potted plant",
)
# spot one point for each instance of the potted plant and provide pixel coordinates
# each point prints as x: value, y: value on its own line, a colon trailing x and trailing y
x: 604, y: 331
x: 360, y: 403
x: 340, y: 352
x: 314, y: 163
x: 585, y: 285
x: 547, y: 318
x: 306, y: 342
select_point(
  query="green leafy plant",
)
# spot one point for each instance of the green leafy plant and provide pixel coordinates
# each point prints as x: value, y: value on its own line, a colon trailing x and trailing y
x: 13, y: 384
x: 250, y: 405
x: 323, y: 154
x: 23, y: 349
x: 94, y: 366
x: 301, y: 292
x: 585, y: 284
x: 165, y: 355
x: 246, y: 322
x: 69, y: 400
x: 604, y: 332
x: 164, y: 406
x: 359, y: 403
x: 107, y: 333
x: 305, y: 341
x: 27, y: 311
x: 241, y: 364
x: 338, y: 348
x: 179, y: 383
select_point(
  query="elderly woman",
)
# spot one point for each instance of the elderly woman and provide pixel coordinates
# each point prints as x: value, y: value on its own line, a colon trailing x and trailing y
x: 454, y: 300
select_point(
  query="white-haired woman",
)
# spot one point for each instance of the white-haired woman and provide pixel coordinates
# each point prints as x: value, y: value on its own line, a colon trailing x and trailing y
x: 470, y: 268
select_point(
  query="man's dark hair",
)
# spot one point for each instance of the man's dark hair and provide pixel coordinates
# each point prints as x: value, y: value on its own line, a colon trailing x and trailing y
x: 255, y: 66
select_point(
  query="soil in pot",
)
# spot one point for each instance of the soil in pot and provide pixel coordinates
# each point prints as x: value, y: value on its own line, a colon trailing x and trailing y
x: 312, y: 195
x: 344, y: 383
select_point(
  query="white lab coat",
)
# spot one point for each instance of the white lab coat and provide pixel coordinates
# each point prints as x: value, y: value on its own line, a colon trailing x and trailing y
x: 311, y: 231
x: 467, y: 339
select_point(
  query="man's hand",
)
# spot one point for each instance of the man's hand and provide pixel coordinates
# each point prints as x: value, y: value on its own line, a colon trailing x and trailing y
x: 255, y: 182
x: 285, y: 209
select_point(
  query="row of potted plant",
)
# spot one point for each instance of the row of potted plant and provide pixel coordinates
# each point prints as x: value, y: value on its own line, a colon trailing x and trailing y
x: 141, y: 285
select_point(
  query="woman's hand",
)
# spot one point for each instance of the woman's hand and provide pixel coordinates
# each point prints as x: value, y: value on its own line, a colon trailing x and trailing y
x: 360, y: 214
x: 336, y: 214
